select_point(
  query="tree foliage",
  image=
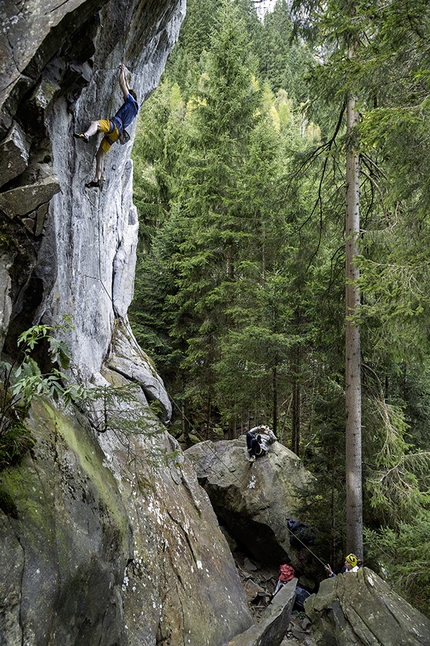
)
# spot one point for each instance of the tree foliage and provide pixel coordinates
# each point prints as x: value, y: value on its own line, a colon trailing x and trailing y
x: 23, y: 381
x: 240, y: 186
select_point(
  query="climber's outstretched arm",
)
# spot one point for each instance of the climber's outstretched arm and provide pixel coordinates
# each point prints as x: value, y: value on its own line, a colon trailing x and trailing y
x: 123, y: 81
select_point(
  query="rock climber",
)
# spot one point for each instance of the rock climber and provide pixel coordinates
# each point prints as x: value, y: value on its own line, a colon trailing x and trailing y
x: 351, y: 565
x: 113, y: 128
x: 258, y: 440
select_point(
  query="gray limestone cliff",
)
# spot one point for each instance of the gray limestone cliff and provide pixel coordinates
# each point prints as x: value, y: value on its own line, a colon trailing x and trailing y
x: 66, y: 250
x: 107, y: 538
x: 263, y: 7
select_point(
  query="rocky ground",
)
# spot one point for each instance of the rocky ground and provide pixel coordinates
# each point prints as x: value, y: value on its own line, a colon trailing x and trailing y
x: 299, y: 631
x: 259, y: 583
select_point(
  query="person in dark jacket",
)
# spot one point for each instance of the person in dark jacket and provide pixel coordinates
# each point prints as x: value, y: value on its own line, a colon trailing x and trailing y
x: 351, y: 565
x: 258, y: 440
x: 301, y: 534
x: 112, y: 128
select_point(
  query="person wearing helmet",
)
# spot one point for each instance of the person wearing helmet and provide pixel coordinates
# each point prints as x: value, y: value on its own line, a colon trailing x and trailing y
x: 351, y: 565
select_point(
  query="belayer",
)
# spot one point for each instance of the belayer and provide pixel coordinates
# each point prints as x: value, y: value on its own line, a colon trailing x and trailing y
x: 351, y: 564
x: 258, y: 440
x: 113, y: 128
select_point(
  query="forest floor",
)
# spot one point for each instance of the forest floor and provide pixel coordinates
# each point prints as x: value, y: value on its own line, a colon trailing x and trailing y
x: 259, y: 583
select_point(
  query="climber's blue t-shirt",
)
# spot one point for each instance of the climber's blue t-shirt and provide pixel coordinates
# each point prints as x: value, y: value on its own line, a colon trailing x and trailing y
x: 127, y: 112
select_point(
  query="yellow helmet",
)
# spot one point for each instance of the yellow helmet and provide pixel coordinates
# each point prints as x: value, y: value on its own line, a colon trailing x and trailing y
x: 352, y: 559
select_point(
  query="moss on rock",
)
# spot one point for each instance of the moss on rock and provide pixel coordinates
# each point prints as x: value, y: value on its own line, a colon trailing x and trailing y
x: 69, y: 519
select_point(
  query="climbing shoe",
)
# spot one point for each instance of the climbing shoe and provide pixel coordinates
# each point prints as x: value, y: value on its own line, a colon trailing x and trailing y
x: 93, y: 184
x: 79, y: 135
x: 252, y: 458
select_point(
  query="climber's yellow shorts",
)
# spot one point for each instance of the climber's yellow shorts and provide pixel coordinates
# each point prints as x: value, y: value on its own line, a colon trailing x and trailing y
x: 111, y: 130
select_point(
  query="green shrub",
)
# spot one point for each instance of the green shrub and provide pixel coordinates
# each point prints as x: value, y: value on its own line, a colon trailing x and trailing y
x: 23, y: 381
x: 403, y: 557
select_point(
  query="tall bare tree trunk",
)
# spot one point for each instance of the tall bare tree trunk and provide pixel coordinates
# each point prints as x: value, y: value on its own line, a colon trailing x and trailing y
x: 354, y: 498
x: 296, y: 413
x: 275, y: 399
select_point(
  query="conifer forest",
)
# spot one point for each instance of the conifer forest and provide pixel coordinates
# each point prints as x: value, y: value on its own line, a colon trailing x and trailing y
x: 282, y: 179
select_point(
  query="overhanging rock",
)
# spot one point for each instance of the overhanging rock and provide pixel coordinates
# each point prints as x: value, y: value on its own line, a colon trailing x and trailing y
x: 58, y: 71
x: 14, y: 151
x: 25, y: 199
x: 254, y: 502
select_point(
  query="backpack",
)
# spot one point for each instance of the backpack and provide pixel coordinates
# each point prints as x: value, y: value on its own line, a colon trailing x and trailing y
x: 302, y: 533
x: 301, y: 596
x: 286, y: 573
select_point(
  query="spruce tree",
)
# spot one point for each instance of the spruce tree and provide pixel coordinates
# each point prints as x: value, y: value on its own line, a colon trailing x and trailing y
x: 223, y: 115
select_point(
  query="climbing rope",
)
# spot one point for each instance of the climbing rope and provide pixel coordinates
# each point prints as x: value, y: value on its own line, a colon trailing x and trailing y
x: 306, y: 546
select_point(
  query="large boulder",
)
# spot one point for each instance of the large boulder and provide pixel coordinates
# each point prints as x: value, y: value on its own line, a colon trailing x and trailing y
x: 274, y: 622
x: 360, y: 609
x: 110, y: 541
x: 254, y: 501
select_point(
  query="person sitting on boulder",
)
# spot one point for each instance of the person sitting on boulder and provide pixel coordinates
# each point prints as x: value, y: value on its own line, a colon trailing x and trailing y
x: 351, y: 565
x: 258, y: 440
x: 113, y: 128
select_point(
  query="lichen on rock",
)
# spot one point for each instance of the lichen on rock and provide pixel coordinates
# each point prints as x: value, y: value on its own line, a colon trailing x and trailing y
x: 109, y: 544
x: 359, y: 608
